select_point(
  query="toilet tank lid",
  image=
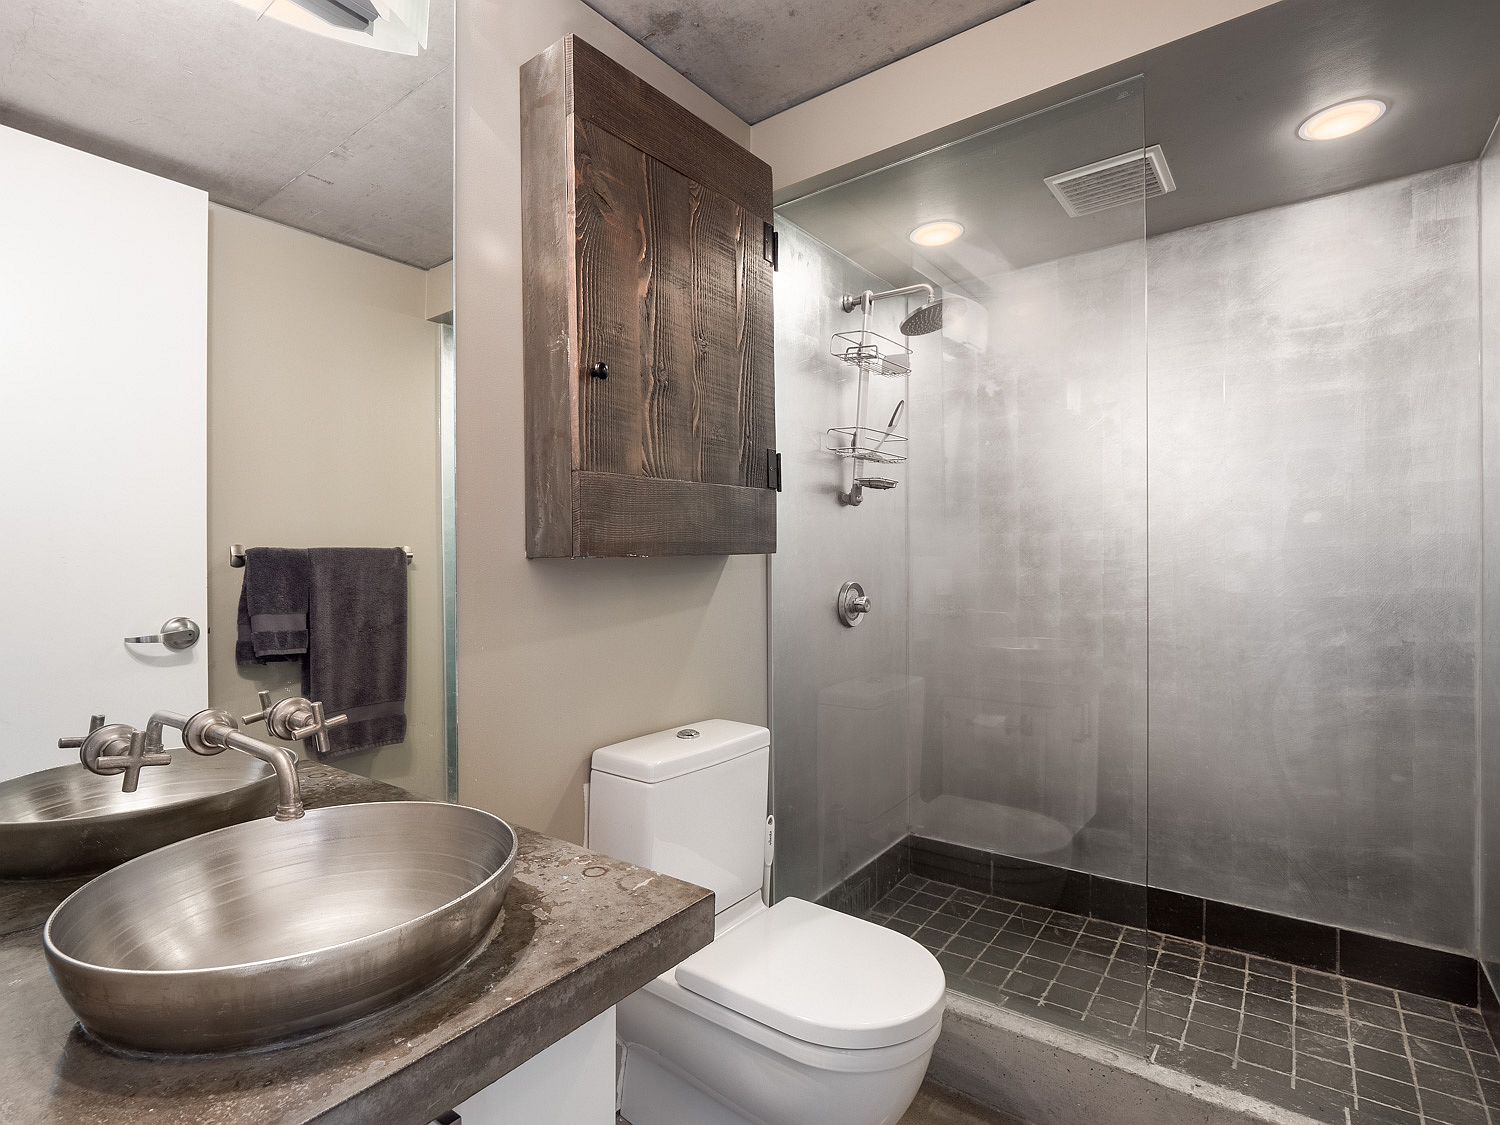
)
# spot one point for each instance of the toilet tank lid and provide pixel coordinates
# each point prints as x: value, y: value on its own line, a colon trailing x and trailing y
x: 680, y: 750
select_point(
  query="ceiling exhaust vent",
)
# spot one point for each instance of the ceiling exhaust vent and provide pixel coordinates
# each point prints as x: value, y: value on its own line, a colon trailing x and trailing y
x: 1128, y: 178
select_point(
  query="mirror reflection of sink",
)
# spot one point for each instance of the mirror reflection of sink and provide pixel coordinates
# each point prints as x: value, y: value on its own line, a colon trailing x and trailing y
x: 265, y: 932
x: 68, y: 821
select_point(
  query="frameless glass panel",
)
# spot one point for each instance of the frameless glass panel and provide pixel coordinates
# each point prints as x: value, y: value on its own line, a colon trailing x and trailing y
x: 1016, y: 725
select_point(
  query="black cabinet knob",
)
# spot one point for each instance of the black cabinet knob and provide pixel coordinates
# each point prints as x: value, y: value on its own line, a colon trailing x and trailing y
x: 600, y: 371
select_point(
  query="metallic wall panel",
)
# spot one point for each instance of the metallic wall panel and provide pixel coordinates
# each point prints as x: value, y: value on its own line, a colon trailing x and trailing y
x: 1314, y: 558
x: 843, y: 707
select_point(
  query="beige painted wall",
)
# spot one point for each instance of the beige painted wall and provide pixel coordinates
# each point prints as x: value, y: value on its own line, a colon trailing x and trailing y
x: 322, y: 431
x: 994, y: 64
x: 559, y: 657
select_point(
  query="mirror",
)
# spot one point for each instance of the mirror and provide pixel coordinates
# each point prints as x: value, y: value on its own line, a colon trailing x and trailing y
x: 225, y: 318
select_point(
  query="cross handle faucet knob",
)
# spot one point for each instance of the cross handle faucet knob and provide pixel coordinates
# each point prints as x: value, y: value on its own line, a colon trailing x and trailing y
x: 95, y: 722
x: 297, y: 719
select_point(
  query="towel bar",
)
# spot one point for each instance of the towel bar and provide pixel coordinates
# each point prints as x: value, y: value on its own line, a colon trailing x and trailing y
x: 237, y: 554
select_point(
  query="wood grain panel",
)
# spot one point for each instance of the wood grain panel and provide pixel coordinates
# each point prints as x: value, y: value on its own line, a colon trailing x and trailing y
x: 607, y: 94
x: 547, y: 312
x: 616, y: 517
x: 615, y: 278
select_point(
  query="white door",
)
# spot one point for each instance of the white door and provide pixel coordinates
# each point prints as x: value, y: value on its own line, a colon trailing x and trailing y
x: 103, y: 486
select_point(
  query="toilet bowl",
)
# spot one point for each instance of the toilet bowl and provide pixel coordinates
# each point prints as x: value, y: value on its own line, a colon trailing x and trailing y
x: 794, y: 1013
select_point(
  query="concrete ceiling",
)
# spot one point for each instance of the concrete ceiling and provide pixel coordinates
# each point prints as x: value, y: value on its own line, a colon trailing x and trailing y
x: 759, y: 57
x: 1224, y: 105
x: 340, y: 140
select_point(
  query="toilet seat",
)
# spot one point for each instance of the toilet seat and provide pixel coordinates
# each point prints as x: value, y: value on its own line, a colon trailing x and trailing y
x: 820, y: 977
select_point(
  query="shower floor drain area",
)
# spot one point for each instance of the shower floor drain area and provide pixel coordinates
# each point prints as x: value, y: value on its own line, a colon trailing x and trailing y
x: 1333, y: 1049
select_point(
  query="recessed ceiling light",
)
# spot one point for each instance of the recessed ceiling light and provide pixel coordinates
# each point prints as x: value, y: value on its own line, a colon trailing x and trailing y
x: 1342, y: 120
x: 938, y: 233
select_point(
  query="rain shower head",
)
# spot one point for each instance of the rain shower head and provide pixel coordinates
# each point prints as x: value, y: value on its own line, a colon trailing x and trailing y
x: 928, y: 318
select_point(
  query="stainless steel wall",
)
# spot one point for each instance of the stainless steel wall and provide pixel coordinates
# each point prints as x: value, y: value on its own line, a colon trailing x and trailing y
x: 1314, y: 558
x: 844, y: 712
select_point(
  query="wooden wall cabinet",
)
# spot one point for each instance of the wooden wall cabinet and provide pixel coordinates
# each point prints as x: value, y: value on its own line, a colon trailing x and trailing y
x: 648, y: 254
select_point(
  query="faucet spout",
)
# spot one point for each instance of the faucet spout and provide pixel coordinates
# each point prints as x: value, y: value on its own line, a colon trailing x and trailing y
x: 212, y: 731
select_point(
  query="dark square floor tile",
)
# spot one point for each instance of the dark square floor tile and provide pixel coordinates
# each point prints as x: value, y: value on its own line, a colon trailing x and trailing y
x: 1032, y: 913
x: 1269, y: 1008
x: 1207, y: 1037
x: 1269, y: 986
x: 1065, y: 997
x: 979, y: 932
x: 1370, y: 993
x: 1377, y: 1037
x: 1210, y: 1066
x: 1163, y: 1026
x: 1325, y: 1023
x: 1088, y: 962
x: 965, y: 947
x: 1110, y: 1008
x: 1441, y: 1054
x: 1319, y: 999
x: 1428, y: 1006
x: 1171, y: 963
x: 1331, y: 1075
x: 1172, y: 982
x: 901, y: 926
x: 1266, y: 967
x: 1049, y: 950
x: 1172, y: 1003
x: 1445, y: 1110
x: 1038, y: 967
x: 1486, y: 1066
x: 1387, y: 1092
x: 1074, y: 977
x: 944, y: 922
x: 1215, y: 1016
x: 1220, y: 995
x: 931, y: 939
x: 1376, y: 1015
x: 1324, y: 1047
x: 1022, y: 984
x: 1057, y: 935
x: 1449, y: 1082
x: 1129, y: 991
x: 1093, y: 944
x: 988, y: 917
x: 1371, y: 1113
x: 1269, y: 1055
x: 1439, y: 1031
x: 927, y: 900
x: 1268, y: 1031
x: 1383, y: 1063
x: 953, y: 964
x: 1004, y: 939
x: 1476, y: 1039
x: 993, y: 975
x: 1226, y: 975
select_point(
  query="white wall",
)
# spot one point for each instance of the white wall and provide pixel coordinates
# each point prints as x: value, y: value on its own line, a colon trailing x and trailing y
x: 558, y: 657
x: 323, y: 432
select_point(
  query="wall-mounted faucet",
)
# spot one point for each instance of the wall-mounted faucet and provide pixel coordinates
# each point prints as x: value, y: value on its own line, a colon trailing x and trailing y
x: 121, y: 749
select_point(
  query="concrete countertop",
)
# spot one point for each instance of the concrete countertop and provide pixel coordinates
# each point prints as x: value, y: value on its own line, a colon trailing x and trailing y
x: 579, y: 933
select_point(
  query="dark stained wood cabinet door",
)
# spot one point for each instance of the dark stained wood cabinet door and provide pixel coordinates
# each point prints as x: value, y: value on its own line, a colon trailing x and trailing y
x: 674, y: 296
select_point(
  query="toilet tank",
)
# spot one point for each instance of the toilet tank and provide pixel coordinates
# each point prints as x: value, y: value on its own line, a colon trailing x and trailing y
x: 689, y: 802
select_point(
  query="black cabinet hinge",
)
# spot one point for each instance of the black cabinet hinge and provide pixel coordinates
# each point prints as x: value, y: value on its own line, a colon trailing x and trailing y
x: 773, y: 469
x: 770, y: 247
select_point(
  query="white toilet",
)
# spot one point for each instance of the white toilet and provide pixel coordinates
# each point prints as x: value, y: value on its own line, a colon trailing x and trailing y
x: 795, y: 1014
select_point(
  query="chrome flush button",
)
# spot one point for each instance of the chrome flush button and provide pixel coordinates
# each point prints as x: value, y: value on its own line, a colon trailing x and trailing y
x: 687, y: 732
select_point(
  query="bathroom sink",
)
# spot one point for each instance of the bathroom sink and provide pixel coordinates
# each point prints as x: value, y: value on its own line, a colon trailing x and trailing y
x: 270, y: 931
x: 68, y: 821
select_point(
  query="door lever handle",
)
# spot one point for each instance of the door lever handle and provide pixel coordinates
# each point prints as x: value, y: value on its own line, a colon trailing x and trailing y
x: 177, y: 633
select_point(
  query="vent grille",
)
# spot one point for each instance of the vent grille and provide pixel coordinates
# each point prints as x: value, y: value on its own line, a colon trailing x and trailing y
x: 1127, y: 178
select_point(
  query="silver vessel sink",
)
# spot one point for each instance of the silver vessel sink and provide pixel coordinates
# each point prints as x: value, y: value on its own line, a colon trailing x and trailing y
x: 68, y: 821
x: 269, y: 931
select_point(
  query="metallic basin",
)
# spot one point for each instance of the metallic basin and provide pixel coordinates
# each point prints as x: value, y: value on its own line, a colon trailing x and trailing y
x: 270, y: 931
x: 68, y: 821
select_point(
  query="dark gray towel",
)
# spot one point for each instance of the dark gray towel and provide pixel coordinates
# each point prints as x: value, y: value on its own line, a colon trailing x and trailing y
x: 273, y: 605
x: 356, y: 656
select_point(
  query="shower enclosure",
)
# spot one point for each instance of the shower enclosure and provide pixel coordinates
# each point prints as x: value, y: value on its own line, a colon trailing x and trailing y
x: 1174, y: 620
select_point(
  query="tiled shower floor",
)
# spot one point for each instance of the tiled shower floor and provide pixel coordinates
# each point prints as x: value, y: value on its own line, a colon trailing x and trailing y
x: 1336, y: 1049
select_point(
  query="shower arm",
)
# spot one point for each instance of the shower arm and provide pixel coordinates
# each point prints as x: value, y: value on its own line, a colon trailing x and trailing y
x: 853, y: 301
